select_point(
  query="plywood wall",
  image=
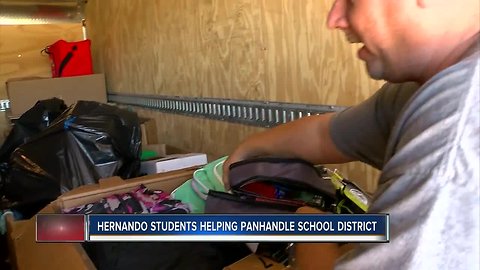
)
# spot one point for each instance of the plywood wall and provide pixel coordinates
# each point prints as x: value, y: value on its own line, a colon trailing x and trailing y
x: 277, y: 50
x: 20, y: 47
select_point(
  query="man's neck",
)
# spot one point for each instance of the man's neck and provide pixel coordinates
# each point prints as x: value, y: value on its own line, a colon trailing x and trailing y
x: 451, y: 56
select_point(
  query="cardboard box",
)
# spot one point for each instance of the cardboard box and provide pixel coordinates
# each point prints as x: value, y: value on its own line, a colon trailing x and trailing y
x: 24, y: 93
x: 149, y: 131
x: 29, y: 255
x: 171, y: 159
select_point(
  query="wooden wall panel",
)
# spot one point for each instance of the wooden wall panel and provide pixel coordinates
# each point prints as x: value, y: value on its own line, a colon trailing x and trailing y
x: 306, y: 62
x: 20, y: 47
x: 277, y: 50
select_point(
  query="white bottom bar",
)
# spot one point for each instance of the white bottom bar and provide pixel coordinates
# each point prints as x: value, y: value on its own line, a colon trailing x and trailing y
x: 241, y: 238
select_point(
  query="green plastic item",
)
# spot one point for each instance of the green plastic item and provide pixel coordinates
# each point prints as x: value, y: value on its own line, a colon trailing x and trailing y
x: 194, y: 191
x: 148, y: 154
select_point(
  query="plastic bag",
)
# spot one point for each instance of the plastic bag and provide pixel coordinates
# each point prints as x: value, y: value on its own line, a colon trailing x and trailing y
x: 32, y: 122
x: 89, y: 141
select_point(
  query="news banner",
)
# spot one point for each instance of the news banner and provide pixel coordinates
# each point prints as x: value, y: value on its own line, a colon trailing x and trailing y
x: 213, y: 228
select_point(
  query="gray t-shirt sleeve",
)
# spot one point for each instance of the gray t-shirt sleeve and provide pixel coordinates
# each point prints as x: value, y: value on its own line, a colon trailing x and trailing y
x: 361, y: 132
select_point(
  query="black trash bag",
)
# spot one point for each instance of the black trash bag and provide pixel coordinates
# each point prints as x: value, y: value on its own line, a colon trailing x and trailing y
x: 32, y: 122
x: 89, y: 141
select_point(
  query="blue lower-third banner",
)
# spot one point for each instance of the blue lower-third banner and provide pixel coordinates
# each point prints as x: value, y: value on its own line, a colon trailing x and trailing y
x: 245, y: 228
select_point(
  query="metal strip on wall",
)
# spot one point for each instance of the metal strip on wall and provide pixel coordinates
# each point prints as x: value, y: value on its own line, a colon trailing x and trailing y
x: 4, y: 105
x: 255, y: 113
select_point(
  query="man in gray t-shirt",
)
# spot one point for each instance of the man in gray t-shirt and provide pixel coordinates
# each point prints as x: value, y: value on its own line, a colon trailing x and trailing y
x: 428, y: 149
x: 423, y: 135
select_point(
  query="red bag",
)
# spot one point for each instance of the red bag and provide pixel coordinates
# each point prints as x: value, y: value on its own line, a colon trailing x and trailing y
x: 70, y: 58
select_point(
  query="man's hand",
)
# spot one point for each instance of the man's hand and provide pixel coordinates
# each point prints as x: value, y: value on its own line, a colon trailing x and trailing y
x: 309, y: 210
x: 242, y: 152
x: 315, y: 256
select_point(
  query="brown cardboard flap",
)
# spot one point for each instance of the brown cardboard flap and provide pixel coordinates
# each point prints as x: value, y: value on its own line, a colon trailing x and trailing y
x: 91, y: 193
x: 25, y: 79
x: 149, y: 131
x: 13, y: 228
x: 111, y: 182
x: 174, y: 150
x: 30, y: 255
